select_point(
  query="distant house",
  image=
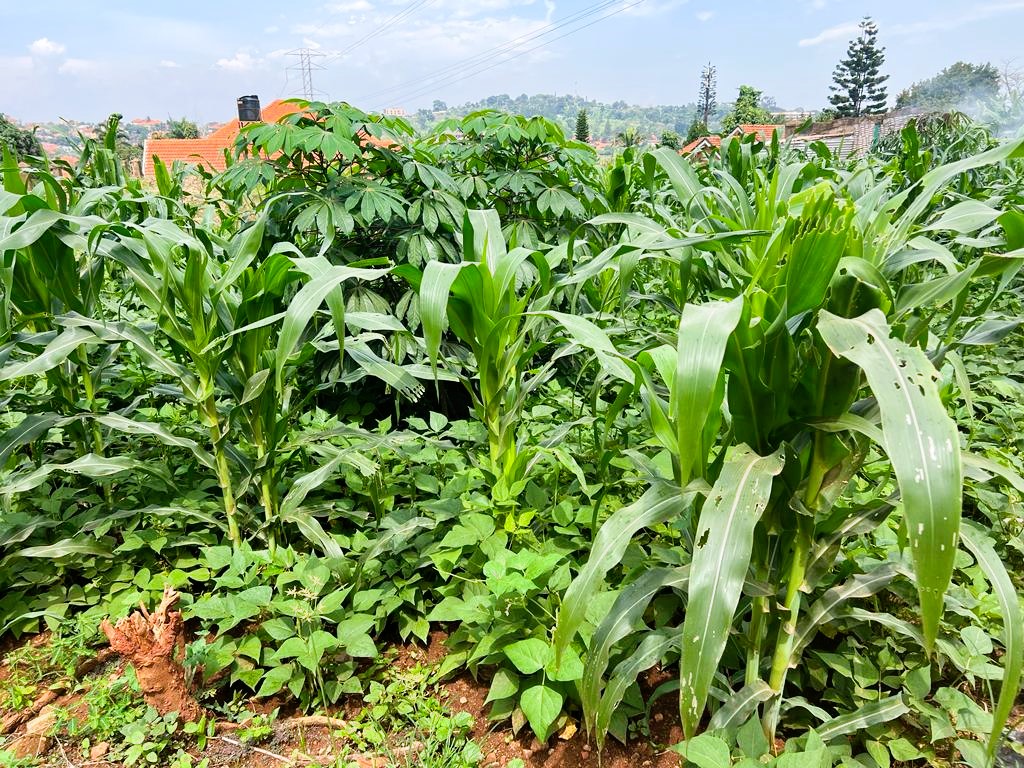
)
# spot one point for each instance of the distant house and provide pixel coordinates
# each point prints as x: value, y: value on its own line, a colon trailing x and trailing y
x: 762, y: 131
x: 848, y: 136
x: 146, y: 122
x: 209, y: 150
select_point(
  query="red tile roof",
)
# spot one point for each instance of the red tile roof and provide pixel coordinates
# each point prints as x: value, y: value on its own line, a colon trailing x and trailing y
x: 710, y: 141
x: 763, y: 131
x: 208, y: 151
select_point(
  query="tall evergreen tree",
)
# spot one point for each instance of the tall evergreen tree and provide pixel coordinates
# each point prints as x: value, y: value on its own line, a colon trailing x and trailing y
x: 858, y: 88
x: 582, y: 126
x: 707, y: 93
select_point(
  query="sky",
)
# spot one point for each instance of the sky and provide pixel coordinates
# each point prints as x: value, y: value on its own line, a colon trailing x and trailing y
x: 83, y: 59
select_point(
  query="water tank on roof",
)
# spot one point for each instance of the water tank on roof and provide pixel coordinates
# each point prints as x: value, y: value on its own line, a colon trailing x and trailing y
x: 248, y: 109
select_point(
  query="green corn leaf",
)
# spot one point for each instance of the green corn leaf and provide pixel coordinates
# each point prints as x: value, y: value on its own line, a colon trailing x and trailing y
x: 435, y: 288
x: 55, y: 353
x: 866, y: 715
x: 922, y: 443
x: 725, y: 538
x: 63, y: 548
x: 704, y: 330
x: 739, y: 706
x: 305, y: 304
x: 976, y: 540
x: 34, y: 425
x: 651, y: 649
x: 964, y: 217
x: 133, y: 427
x: 660, y: 503
x: 627, y: 610
x: 832, y: 602
x: 90, y: 465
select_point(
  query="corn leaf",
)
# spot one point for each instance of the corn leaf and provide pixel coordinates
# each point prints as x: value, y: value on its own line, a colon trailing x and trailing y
x: 725, y: 538
x: 922, y: 443
x: 976, y: 540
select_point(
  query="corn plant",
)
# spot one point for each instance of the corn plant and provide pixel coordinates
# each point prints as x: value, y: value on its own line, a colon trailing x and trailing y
x: 776, y: 397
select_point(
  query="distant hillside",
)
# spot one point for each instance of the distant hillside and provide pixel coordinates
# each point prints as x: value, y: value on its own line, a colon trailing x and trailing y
x: 606, y: 120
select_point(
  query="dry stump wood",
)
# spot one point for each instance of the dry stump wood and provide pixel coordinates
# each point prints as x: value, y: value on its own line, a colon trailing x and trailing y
x: 150, y: 643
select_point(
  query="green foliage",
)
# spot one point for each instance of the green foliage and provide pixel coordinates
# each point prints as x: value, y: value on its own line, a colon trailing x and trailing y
x: 588, y: 418
x: 20, y: 141
x: 747, y: 110
x: 582, y: 132
x: 696, y: 130
x: 182, y: 128
x: 857, y: 80
x: 961, y: 87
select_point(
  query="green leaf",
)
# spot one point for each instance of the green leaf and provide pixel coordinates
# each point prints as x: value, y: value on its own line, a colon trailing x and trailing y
x: 964, y: 217
x: 704, y: 330
x: 725, y: 538
x: 922, y: 443
x: 660, y: 503
x: 978, y: 543
x: 55, y: 353
x: 528, y: 655
x: 625, y: 613
x: 865, y: 716
x: 542, y: 706
x: 274, y: 680
x: 706, y: 751
x: 739, y: 706
x: 651, y: 649
x: 504, y: 685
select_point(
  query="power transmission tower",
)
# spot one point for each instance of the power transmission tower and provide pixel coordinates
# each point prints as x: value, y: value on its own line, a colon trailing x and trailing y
x: 308, y: 62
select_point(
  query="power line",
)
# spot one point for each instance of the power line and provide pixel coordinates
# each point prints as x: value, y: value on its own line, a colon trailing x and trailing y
x: 488, y: 54
x: 384, y: 27
x: 466, y: 75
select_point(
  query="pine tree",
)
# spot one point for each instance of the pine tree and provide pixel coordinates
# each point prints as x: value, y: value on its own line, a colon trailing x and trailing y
x: 707, y: 93
x: 858, y: 88
x: 582, y: 126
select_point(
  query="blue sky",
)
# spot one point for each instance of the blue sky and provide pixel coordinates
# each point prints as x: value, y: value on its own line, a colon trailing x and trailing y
x: 86, y: 59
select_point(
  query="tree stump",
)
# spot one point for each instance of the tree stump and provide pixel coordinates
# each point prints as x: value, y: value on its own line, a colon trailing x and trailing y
x: 150, y: 642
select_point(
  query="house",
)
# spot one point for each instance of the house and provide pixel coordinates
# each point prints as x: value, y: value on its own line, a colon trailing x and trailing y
x: 762, y: 131
x: 848, y: 136
x: 209, y: 150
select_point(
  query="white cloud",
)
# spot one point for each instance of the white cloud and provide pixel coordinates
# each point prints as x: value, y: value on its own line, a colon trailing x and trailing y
x: 947, y: 21
x: 838, y: 32
x: 46, y: 47
x: 705, y: 15
x: 77, y: 67
x: 240, y: 62
x: 272, y: 29
x: 168, y: 64
x: 352, y: 6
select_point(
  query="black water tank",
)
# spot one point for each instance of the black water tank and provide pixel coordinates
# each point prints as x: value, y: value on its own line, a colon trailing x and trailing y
x: 248, y: 109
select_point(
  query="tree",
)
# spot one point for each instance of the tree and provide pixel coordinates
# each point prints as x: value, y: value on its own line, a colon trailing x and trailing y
x: 747, y: 109
x: 707, y: 93
x: 439, y: 106
x: 18, y: 139
x: 630, y: 138
x: 696, y: 130
x: 182, y: 129
x: 670, y: 139
x: 960, y: 86
x: 858, y: 88
x: 582, y: 126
